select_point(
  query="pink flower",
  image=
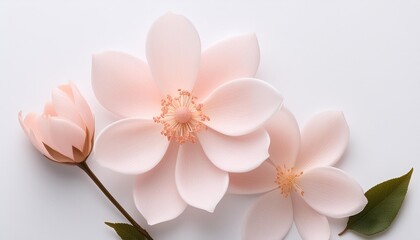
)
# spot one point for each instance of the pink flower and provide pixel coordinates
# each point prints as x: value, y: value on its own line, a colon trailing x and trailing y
x: 298, y: 179
x: 64, y: 131
x: 190, y: 118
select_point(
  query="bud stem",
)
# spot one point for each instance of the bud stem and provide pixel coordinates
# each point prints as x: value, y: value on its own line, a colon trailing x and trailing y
x: 83, y: 165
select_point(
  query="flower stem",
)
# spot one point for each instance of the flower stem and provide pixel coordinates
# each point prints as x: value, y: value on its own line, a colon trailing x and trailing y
x: 83, y: 165
x: 342, y: 232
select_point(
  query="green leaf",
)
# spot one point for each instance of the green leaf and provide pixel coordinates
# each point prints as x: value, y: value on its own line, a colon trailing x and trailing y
x: 384, y: 202
x: 126, y: 231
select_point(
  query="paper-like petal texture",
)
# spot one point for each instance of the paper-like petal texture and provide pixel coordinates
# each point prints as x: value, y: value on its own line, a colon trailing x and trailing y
x: 285, y: 138
x: 155, y: 193
x: 200, y: 183
x: 61, y: 134
x: 235, y: 154
x: 173, y: 52
x: 123, y: 84
x: 64, y: 107
x: 332, y: 192
x: 30, y: 126
x: 309, y: 223
x: 241, y: 106
x: 270, y: 218
x: 324, y: 140
x: 83, y: 108
x: 236, y: 57
x: 258, y: 180
x: 131, y: 146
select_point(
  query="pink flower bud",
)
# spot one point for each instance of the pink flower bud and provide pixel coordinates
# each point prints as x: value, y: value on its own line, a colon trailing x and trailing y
x: 64, y: 131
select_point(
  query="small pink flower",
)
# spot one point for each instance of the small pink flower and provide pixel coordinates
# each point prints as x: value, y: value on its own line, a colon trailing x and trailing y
x: 191, y: 117
x: 300, y: 183
x: 64, y: 131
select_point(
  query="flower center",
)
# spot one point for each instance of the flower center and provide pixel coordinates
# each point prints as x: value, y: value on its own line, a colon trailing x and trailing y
x: 287, y: 180
x: 181, y: 117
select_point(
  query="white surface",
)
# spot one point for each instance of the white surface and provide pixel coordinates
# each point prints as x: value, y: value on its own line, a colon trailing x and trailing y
x: 362, y: 57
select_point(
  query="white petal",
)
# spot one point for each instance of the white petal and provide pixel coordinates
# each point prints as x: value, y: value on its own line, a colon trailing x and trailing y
x: 131, y: 146
x: 324, y: 140
x: 155, y: 193
x: 309, y: 223
x: 200, y: 183
x: 270, y: 218
x: 235, y: 154
x: 235, y: 57
x: 285, y: 138
x: 258, y: 180
x: 241, y: 106
x: 123, y: 84
x: 332, y: 192
x: 173, y: 51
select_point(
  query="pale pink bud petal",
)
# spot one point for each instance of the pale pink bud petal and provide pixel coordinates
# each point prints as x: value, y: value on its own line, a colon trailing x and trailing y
x: 64, y: 132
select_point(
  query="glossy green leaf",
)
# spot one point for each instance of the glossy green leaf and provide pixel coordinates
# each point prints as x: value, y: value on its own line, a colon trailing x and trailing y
x: 384, y: 202
x: 126, y: 231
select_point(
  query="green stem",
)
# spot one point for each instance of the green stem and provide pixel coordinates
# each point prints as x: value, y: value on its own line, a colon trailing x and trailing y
x: 83, y: 165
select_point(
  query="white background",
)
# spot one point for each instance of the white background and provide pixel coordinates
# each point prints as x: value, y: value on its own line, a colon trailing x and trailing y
x: 359, y: 56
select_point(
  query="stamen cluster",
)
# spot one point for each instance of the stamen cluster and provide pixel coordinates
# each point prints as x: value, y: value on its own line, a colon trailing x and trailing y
x: 181, y: 117
x: 287, y: 180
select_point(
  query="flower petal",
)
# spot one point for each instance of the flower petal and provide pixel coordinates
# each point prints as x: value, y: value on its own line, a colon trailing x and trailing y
x: 155, y: 193
x: 285, y: 138
x: 131, y: 146
x: 49, y: 109
x: 123, y: 85
x: 235, y: 154
x: 270, y: 218
x: 65, y: 108
x: 83, y: 108
x: 173, y: 51
x: 200, y: 183
x: 241, y: 106
x: 309, y: 223
x: 29, y: 125
x: 60, y: 134
x: 324, y: 140
x: 258, y: 180
x: 236, y: 57
x: 332, y: 192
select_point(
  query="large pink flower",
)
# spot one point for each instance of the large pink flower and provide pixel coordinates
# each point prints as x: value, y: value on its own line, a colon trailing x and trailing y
x: 300, y: 183
x: 190, y: 117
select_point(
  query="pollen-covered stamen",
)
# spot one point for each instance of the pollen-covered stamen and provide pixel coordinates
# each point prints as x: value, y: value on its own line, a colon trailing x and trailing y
x: 181, y: 117
x: 287, y: 180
